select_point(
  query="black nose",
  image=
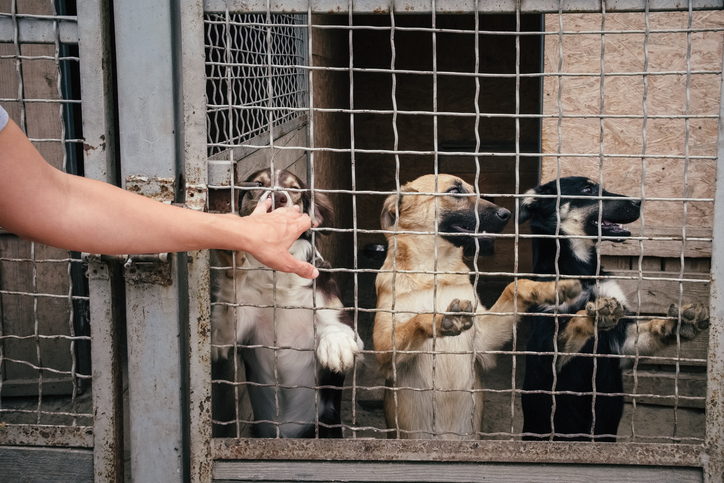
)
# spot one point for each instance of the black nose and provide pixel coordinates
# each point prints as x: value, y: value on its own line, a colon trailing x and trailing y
x: 280, y: 199
x: 636, y: 203
x: 503, y: 214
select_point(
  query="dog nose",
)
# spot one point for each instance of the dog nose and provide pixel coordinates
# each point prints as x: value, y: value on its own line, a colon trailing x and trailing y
x: 280, y: 199
x: 636, y: 203
x: 503, y: 214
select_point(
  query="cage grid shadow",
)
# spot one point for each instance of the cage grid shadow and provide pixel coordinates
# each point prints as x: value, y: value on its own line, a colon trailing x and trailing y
x: 562, y: 103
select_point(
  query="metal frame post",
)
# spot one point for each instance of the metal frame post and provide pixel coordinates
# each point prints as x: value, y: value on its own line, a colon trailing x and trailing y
x: 714, y: 464
x: 145, y: 45
x: 193, y: 137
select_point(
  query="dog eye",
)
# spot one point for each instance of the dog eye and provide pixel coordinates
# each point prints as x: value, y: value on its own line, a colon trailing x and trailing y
x: 454, y: 190
x: 259, y: 184
x: 587, y: 189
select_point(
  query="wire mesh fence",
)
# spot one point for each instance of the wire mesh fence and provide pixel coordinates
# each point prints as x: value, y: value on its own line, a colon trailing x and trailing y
x: 45, y: 377
x: 490, y: 106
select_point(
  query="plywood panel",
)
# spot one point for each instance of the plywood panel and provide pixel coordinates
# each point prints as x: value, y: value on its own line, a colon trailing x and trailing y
x: 667, y: 95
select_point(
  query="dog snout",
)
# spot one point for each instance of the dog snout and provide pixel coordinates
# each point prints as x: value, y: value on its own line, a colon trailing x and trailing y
x: 503, y: 214
x: 636, y: 203
x: 280, y: 199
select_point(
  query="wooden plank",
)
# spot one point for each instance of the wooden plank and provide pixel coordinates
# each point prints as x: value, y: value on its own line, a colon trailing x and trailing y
x: 445, y: 472
x: 657, y: 295
x: 663, y: 383
x: 31, y: 465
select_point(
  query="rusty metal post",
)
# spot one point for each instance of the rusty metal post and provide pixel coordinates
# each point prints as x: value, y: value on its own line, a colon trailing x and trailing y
x: 193, y: 99
x: 104, y: 283
x: 714, y: 466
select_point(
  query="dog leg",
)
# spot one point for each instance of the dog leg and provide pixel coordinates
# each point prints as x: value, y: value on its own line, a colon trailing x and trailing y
x: 495, y: 330
x: 415, y: 331
x: 658, y: 333
x: 582, y: 326
x: 222, y: 332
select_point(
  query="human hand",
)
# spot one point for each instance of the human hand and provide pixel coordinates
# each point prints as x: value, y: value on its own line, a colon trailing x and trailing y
x: 272, y: 235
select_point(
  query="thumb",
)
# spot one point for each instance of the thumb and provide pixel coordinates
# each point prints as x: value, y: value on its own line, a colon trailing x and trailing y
x: 303, y: 269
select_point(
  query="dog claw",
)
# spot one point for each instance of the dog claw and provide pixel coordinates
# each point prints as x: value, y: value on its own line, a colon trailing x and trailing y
x: 454, y: 324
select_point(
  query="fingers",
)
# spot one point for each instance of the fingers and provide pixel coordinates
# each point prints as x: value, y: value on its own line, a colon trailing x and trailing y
x: 303, y: 269
x: 262, y: 207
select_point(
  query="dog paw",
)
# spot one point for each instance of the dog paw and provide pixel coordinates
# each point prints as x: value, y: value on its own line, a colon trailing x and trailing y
x: 608, y: 309
x: 694, y: 319
x: 568, y: 290
x: 337, y: 348
x: 454, y: 324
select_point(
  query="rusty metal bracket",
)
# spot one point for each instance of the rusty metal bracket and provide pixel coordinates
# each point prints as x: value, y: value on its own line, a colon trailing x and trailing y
x: 154, y: 187
x: 142, y: 268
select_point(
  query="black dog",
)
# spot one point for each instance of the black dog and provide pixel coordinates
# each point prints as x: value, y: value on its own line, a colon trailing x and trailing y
x: 579, y: 217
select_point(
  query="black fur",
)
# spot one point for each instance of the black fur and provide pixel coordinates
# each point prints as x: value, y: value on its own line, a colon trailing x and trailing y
x: 574, y: 413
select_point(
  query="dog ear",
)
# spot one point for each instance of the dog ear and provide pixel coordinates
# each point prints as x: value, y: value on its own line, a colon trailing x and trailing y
x: 387, y: 217
x: 323, y: 211
x: 528, y: 206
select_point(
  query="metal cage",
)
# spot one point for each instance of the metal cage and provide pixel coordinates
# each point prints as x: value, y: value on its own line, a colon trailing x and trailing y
x: 182, y: 101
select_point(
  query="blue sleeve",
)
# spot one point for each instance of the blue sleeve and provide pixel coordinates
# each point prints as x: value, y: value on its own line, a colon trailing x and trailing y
x: 3, y: 118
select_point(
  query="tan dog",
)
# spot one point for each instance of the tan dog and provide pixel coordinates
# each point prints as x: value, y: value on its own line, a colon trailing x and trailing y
x: 434, y: 360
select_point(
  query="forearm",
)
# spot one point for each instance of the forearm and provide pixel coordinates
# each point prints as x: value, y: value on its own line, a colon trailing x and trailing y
x: 98, y: 218
x: 41, y: 203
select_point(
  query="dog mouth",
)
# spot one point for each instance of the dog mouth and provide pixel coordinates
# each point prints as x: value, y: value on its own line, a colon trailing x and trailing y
x: 612, y: 228
x: 480, y: 235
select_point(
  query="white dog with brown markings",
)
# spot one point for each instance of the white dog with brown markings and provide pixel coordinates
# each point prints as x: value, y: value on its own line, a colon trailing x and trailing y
x: 298, y: 317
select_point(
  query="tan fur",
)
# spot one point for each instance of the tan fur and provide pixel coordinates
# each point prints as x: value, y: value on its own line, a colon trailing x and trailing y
x: 655, y: 334
x: 419, y: 321
x: 602, y: 314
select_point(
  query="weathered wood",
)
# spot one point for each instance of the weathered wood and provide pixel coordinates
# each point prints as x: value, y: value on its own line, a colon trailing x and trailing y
x: 657, y: 295
x: 663, y: 383
x: 45, y: 464
x: 667, y: 95
x: 445, y: 472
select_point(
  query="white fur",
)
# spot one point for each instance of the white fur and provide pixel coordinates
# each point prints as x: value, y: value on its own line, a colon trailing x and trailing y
x: 290, y: 329
x: 457, y: 372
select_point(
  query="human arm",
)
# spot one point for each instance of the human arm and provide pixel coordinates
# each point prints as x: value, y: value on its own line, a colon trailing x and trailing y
x: 41, y: 203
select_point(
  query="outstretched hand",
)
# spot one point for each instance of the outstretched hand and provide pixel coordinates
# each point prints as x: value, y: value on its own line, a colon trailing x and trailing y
x: 274, y: 232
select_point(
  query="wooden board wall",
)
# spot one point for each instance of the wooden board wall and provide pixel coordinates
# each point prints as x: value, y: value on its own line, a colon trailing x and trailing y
x: 623, y: 95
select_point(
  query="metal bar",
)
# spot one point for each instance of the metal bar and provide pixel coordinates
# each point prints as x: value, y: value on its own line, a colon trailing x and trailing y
x: 146, y: 44
x: 39, y: 30
x: 455, y: 451
x: 198, y: 274
x: 107, y: 372
x: 714, y: 468
x: 449, y: 6
x: 46, y: 435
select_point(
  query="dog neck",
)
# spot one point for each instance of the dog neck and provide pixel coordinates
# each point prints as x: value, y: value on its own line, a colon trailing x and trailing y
x: 418, y: 252
x: 575, y: 258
